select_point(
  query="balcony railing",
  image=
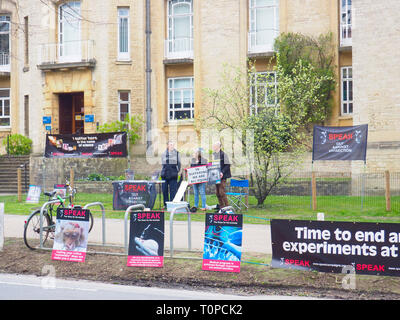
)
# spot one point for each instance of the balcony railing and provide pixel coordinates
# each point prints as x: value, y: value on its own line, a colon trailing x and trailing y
x: 262, y: 41
x: 4, y: 62
x: 179, y: 48
x: 345, y: 35
x: 67, y: 52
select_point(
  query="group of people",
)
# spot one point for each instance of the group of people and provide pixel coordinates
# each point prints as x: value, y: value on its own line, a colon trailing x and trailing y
x: 171, y: 166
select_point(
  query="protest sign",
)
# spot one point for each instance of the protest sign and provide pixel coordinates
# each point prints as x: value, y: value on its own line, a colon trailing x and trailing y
x: 71, y: 234
x: 127, y: 193
x: 222, y: 242
x: 198, y: 174
x: 96, y: 145
x: 330, y: 246
x: 146, y: 239
x: 340, y: 143
x: 33, y: 195
x: 214, y: 172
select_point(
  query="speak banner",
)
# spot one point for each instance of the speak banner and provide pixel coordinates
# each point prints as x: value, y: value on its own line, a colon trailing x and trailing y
x: 71, y: 234
x: 127, y: 193
x: 331, y: 246
x: 146, y: 239
x: 340, y: 143
x: 96, y: 145
x: 222, y: 242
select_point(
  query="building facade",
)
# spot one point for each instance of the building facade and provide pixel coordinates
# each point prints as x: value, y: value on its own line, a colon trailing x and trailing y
x: 65, y: 60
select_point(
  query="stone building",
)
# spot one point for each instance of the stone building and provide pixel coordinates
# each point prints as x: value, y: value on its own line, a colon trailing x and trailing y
x: 65, y: 60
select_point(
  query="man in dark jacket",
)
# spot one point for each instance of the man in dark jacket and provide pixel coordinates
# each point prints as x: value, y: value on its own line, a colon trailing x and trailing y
x: 220, y: 188
x: 171, y: 165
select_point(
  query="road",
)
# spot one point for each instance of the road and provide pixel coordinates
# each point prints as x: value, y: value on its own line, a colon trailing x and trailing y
x: 26, y: 287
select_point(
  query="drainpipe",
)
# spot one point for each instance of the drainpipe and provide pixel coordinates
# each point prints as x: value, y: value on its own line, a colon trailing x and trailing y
x: 148, y: 80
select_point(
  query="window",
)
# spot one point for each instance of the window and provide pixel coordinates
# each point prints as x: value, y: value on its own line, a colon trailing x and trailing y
x: 179, y: 43
x: 124, y: 102
x: 123, y: 34
x: 26, y: 115
x: 5, y: 43
x: 5, y: 109
x: 264, y: 25
x: 69, y: 32
x: 263, y: 91
x: 26, y: 23
x: 347, y: 90
x: 180, y: 98
x: 345, y: 23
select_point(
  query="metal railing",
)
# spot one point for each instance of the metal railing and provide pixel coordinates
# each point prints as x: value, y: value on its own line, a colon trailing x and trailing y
x: 67, y: 52
x: 5, y: 62
x: 345, y: 35
x: 262, y: 40
x: 179, y: 48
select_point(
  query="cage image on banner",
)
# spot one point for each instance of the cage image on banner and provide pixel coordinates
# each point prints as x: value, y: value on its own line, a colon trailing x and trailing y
x: 222, y: 242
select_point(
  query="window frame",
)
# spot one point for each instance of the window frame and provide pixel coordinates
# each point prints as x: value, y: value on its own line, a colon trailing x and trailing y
x: 120, y: 102
x: 61, y: 51
x: 255, y: 87
x: 252, y: 35
x: 171, y: 94
x: 123, y: 56
x: 345, y: 27
x: 347, y: 79
x: 170, y: 40
x: 2, y: 99
x: 5, y: 67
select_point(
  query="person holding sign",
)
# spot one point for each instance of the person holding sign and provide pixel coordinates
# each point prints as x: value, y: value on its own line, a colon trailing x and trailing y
x: 199, y: 188
x: 171, y: 165
x: 220, y: 191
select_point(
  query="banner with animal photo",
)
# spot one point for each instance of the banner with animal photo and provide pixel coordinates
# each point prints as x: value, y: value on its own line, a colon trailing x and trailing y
x: 127, y: 193
x: 71, y: 235
x: 335, y: 246
x: 222, y: 242
x: 340, y: 143
x: 146, y: 239
x: 96, y: 145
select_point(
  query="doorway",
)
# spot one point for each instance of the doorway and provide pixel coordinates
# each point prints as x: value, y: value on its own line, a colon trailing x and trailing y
x: 71, y: 113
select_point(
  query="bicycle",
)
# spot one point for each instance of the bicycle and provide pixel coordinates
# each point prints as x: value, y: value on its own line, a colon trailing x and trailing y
x: 32, y: 224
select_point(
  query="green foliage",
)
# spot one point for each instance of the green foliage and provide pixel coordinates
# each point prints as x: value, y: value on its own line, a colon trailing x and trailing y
x: 131, y: 124
x: 18, y: 144
x: 306, y: 76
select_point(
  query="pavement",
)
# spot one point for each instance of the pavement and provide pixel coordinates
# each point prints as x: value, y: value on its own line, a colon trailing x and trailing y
x: 256, y: 237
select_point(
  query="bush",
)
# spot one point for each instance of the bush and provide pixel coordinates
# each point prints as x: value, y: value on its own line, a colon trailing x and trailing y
x: 18, y: 144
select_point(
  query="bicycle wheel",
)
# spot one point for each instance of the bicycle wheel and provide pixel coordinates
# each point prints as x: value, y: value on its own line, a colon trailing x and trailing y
x: 32, y: 230
x: 90, y: 221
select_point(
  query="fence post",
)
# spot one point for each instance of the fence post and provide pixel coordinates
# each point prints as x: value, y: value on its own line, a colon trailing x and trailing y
x: 314, y: 191
x: 19, y: 186
x: 71, y: 177
x: 387, y: 190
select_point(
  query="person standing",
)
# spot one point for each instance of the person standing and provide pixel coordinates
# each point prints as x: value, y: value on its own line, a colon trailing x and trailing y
x: 220, y: 188
x: 199, y: 188
x: 171, y: 165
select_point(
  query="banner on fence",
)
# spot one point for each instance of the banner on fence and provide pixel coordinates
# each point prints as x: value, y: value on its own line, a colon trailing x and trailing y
x: 330, y: 246
x: 33, y: 195
x: 222, y: 242
x: 340, y: 143
x: 71, y: 234
x: 146, y: 239
x: 127, y: 193
x: 96, y: 145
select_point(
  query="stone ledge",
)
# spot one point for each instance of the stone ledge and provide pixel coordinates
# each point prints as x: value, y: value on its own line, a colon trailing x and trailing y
x: 69, y: 65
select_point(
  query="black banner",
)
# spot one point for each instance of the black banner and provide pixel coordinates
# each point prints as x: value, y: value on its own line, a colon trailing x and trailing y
x: 340, y: 143
x: 96, y: 145
x: 127, y: 193
x: 146, y: 239
x: 340, y: 247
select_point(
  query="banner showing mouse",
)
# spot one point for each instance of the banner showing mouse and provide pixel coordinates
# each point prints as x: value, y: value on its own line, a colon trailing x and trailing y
x: 334, y: 246
x: 146, y: 239
x: 71, y: 234
x: 222, y: 242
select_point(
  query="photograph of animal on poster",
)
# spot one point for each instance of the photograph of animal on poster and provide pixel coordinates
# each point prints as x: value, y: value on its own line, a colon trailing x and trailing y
x: 146, y: 239
x: 223, y: 242
x: 71, y: 235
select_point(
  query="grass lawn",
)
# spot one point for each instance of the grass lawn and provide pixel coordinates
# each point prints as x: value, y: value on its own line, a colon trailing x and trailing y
x: 336, y: 208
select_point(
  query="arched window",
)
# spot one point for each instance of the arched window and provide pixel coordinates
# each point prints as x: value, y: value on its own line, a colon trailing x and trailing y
x: 180, y: 29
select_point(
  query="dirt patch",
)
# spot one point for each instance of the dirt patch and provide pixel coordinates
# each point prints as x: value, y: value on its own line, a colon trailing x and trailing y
x: 253, y: 279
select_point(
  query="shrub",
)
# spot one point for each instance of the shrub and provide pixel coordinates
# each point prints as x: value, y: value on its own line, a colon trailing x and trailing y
x: 18, y: 144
